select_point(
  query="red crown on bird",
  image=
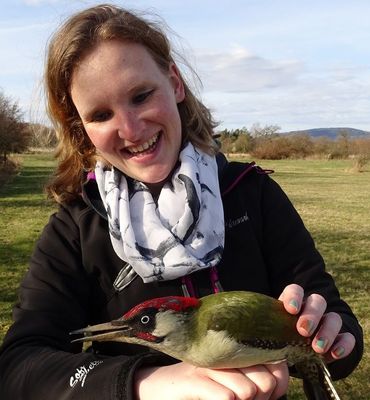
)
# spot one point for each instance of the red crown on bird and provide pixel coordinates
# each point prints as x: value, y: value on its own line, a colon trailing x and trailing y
x: 175, y: 303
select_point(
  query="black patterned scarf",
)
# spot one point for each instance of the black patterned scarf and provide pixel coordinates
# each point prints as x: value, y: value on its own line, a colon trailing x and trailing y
x: 180, y: 233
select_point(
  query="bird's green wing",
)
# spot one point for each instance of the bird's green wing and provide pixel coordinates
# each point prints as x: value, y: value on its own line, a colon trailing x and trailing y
x: 251, y: 318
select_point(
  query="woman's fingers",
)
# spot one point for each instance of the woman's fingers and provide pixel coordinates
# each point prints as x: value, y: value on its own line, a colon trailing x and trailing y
x: 259, y: 382
x: 312, y: 319
x: 312, y: 311
x: 270, y: 380
x: 342, y: 347
x: 281, y: 373
x: 330, y: 326
x: 263, y: 381
x: 292, y: 298
x: 236, y: 381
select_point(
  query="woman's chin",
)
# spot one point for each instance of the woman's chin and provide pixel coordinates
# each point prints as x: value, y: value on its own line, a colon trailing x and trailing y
x: 159, y: 180
x: 156, y: 183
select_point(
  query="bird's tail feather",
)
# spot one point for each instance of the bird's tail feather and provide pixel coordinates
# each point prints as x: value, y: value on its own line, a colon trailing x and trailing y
x: 329, y: 383
x: 317, y: 381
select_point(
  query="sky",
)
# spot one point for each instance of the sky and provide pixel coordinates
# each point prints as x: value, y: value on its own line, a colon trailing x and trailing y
x: 296, y: 64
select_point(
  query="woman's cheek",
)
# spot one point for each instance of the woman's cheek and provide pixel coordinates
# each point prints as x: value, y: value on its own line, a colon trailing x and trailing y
x: 98, y: 139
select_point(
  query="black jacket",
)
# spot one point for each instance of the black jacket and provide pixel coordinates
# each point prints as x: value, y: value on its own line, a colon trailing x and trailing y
x: 75, y: 279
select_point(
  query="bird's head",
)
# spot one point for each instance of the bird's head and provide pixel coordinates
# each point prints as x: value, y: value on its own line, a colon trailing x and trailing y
x: 149, y: 323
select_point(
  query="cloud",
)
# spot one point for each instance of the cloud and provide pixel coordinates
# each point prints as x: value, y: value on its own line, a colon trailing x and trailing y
x: 336, y: 96
x: 238, y: 70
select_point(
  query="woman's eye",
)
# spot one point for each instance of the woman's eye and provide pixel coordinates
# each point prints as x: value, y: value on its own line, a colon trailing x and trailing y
x: 140, y: 98
x: 101, y: 116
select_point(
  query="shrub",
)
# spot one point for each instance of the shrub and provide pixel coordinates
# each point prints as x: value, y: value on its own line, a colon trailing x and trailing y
x: 14, y: 136
x: 275, y: 148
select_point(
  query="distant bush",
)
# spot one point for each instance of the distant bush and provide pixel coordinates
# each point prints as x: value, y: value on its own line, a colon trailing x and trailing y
x: 301, y: 146
x: 275, y: 148
x: 361, y: 146
x: 243, y: 144
x: 14, y: 137
x: 322, y: 146
x: 283, y: 146
x: 226, y: 145
x: 236, y: 141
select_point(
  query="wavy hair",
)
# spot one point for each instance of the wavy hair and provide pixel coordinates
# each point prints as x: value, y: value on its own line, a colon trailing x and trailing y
x: 79, y: 35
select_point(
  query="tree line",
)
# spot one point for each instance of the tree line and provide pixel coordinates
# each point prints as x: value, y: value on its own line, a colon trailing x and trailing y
x: 265, y: 142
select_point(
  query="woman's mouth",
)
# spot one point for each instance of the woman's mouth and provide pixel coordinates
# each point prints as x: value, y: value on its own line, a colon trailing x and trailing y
x: 144, y: 148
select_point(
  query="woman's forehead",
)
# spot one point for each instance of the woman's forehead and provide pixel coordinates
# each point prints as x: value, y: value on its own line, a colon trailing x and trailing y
x: 113, y: 55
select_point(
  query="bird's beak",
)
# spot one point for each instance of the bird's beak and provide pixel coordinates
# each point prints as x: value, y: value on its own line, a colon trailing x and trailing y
x: 110, y: 331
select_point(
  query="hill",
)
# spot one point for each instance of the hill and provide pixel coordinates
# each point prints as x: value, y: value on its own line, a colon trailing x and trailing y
x: 332, y: 133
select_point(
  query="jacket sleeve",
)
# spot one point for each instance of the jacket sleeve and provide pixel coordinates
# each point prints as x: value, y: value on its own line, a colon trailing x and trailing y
x: 37, y: 358
x: 292, y: 257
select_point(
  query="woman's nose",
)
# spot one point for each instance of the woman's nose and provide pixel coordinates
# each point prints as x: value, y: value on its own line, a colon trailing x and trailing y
x: 129, y: 126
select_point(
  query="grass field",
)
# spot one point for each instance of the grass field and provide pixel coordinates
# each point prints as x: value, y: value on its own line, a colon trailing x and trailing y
x: 24, y: 211
x: 333, y: 201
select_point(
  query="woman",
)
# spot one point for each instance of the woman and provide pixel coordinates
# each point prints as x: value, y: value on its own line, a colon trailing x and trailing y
x: 134, y: 143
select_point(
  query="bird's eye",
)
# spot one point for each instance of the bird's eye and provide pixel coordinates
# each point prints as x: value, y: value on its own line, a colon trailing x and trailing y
x: 145, y: 319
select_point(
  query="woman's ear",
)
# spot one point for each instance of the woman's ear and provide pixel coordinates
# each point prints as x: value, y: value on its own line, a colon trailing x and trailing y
x: 177, y: 83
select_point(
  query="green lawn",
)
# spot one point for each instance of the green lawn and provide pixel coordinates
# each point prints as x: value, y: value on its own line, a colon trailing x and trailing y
x: 332, y: 199
x: 24, y: 212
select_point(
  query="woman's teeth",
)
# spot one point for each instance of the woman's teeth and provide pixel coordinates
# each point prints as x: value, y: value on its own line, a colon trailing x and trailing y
x: 144, y: 146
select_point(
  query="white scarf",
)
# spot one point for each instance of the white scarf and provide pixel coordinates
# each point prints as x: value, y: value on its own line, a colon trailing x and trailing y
x: 182, y: 233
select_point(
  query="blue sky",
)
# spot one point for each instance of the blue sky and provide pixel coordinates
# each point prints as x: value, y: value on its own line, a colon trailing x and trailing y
x: 297, y: 64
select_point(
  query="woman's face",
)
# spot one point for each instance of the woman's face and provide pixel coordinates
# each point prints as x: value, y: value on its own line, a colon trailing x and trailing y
x: 128, y: 106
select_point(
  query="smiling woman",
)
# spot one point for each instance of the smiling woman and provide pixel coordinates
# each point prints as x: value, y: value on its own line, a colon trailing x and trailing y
x: 108, y: 36
x: 133, y: 120
x: 149, y: 208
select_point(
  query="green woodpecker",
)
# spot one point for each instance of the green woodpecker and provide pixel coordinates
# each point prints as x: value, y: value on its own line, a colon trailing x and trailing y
x: 223, y: 330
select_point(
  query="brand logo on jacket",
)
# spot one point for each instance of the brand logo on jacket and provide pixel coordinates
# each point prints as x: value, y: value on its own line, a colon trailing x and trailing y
x: 81, y: 374
x: 231, y: 223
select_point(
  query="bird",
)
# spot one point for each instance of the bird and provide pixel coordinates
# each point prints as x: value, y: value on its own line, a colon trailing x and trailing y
x: 234, y: 329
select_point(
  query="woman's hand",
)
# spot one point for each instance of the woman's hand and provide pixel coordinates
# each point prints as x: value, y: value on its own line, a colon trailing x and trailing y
x: 187, y: 382
x: 327, y: 339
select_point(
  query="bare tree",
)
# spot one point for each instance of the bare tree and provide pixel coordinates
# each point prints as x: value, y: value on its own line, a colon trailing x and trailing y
x: 42, y: 136
x: 13, y: 132
x: 259, y: 131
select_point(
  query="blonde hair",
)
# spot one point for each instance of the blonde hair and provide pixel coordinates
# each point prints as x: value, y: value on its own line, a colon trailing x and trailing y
x: 78, y: 36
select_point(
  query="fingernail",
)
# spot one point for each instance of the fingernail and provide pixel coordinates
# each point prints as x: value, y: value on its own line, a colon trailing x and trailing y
x: 321, y: 343
x: 307, y: 325
x: 294, y: 304
x: 339, y: 351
